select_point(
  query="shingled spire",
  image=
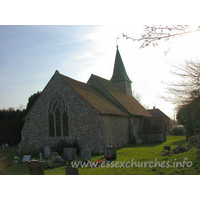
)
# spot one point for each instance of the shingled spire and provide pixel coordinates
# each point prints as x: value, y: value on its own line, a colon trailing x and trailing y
x: 120, y: 76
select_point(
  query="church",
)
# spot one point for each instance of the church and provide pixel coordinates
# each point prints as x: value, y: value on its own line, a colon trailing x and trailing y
x: 97, y: 114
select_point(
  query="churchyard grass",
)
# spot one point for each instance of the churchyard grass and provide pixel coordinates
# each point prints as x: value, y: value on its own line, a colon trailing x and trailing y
x: 9, y: 168
x: 150, y: 152
x: 142, y: 153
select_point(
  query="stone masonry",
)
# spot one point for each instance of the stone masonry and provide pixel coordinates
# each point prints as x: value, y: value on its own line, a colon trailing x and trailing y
x: 93, y: 131
x: 84, y: 122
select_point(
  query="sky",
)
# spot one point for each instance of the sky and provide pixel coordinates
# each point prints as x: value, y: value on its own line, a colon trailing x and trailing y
x: 30, y: 54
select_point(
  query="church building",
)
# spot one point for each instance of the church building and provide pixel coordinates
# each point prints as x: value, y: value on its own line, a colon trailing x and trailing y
x: 97, y: 114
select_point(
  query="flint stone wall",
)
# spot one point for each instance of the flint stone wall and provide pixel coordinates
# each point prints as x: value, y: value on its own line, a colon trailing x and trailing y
x: 85, y: 123
x: 116, y: 130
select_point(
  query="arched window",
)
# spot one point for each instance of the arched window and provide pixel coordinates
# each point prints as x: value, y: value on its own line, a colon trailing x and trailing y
x: 58, y: 117
x: 65, y: 124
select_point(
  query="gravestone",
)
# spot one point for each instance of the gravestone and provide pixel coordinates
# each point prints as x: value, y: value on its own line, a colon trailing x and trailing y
x: 69, y: 154
x: 47, y: 152
x: 111, y: 151
x: 71, y: 171
x: 26, y: 158
x: 36, y: 167
x: 85, y: 154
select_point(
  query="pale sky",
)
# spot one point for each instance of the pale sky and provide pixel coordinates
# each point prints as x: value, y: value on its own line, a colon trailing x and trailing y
x: 29, y: 56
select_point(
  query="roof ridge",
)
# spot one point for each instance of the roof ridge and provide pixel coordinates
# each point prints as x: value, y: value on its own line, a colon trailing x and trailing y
x: 160, y: 112
x: 97, y: 93
x: 111, y: 93
x: 128, y: 103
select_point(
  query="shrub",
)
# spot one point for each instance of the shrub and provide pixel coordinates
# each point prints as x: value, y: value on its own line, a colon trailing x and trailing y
x: 35, y: 153
x: 59, y: 146
x: 178, y: 130
x: 195, y: 141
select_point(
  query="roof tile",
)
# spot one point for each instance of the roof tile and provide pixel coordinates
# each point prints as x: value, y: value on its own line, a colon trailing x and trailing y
x: 96, y: 99
x: 128, y: 102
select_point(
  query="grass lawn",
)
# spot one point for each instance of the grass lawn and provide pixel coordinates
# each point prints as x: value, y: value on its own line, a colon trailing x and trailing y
x: 143, y: 153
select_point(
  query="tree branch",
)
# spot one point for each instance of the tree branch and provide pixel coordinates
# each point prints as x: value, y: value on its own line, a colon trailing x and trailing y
x: 188, y: 88
x: 153, y: 34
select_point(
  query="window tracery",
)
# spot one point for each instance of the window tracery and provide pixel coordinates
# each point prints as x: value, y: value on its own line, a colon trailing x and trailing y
x: 58, y: 117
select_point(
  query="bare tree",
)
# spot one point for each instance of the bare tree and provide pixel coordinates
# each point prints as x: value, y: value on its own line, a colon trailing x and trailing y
x: 188, y: 88
x: 185, y: 93
x: 152, y: 34
x: 138, y: 97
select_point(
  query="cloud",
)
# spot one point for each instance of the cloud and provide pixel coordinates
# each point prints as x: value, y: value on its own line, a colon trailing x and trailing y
x: 84, y: 55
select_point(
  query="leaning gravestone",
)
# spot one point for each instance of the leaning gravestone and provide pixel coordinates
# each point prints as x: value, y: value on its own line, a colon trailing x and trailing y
x: 26, y: 158
x: 47, y: 152
x: 69, y: 154
x: 36, y: 167
x: 111, y: 151
x: 85, y: 154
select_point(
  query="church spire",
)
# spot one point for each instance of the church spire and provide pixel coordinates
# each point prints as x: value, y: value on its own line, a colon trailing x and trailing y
x: 119, y: 73
x: 120, y: 76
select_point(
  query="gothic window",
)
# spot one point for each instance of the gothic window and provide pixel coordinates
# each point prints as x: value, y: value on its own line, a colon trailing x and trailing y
x: 58, y: 117
x: 58, y: 122
x: 65, y: 124
x: 51, y: 125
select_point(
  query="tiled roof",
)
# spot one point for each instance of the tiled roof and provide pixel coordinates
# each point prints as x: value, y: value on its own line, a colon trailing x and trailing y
x: 96, y: 99
x: 102, y: 103
x: 157, y: 113
x: 128, y: 102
